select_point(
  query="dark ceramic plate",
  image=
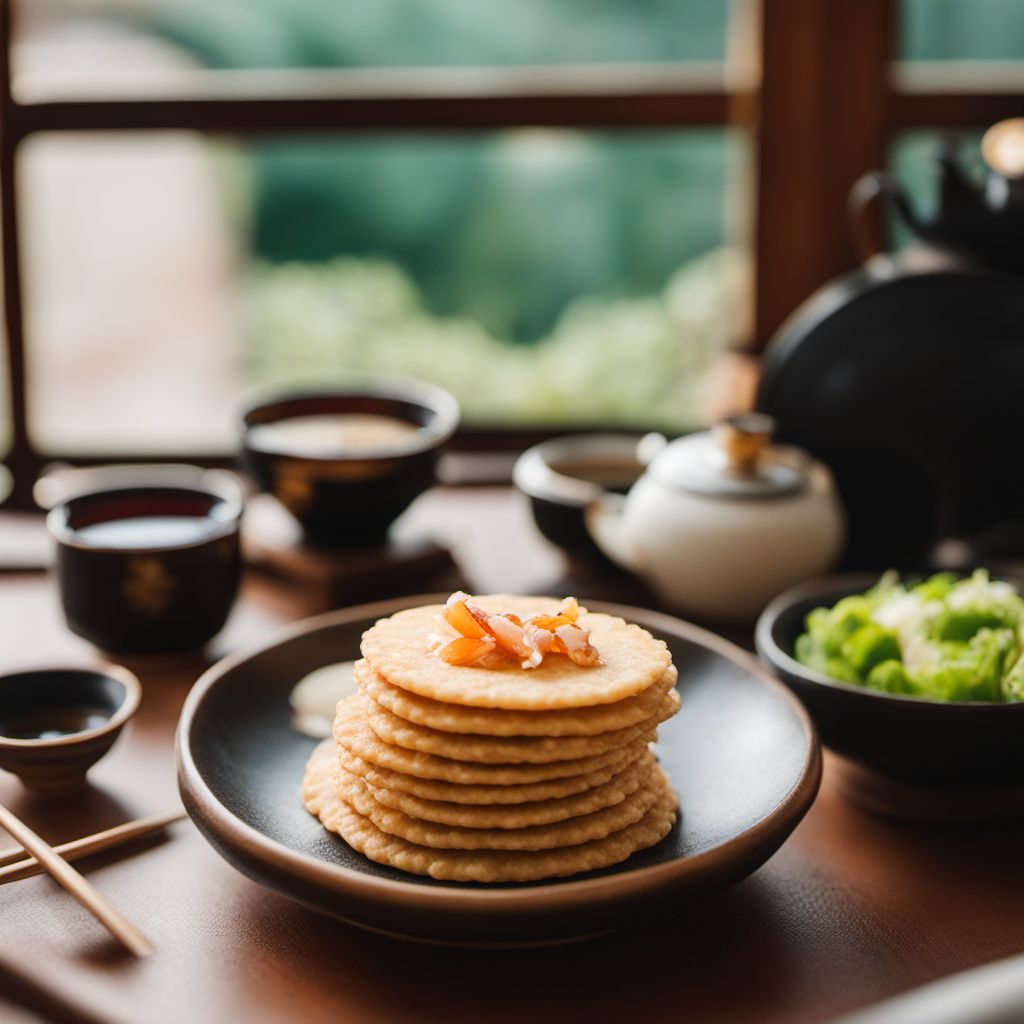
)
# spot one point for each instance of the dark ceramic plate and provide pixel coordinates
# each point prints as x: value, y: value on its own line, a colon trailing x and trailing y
x: 742, y: 755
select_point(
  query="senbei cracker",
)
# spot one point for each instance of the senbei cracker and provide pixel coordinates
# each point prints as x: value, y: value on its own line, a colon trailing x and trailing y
x: 389, y: 728
x: 352, y: 731
x: 400, y: 650
x: 502, y: 722
x: 361, y: 834
x: 499, y: 739
x: 533, y: 812
x: 571, y: 832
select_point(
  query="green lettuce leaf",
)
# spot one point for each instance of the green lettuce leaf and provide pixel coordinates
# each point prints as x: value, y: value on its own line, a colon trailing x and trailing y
x: 963, y: 638
x: 890, y: 677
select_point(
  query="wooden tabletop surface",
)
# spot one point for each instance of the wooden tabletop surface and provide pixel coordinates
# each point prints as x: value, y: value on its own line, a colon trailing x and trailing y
x: 852, y: 909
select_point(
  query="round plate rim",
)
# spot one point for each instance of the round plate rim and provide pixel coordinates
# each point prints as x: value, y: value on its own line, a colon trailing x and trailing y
x: 207, y: 812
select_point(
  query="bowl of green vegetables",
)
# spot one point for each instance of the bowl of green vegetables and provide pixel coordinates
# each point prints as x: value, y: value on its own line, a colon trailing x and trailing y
x: 917, y: 683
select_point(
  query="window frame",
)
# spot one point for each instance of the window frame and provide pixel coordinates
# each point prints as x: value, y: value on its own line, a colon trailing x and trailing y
x: 811, y: 83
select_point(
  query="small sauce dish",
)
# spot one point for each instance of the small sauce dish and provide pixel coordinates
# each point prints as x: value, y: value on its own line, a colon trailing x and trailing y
x: 57, y: 722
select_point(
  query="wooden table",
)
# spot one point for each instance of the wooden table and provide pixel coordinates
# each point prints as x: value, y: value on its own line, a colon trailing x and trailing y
x: 851, y: 910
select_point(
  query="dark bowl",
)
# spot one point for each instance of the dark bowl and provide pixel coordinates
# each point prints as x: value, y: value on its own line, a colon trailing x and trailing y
x: 39, y: 708
x: 908, y: 756
x: 153, y: 596
x: 561, y: 477
x: 350, y: 499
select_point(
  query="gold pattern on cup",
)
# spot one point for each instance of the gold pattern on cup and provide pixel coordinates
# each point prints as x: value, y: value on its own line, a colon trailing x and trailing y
x: 147, y: 586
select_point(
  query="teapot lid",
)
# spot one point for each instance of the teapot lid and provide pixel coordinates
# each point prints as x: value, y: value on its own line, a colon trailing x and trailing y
x: 732, y: 460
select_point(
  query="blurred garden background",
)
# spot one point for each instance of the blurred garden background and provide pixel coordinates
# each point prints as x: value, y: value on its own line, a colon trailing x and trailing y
x: 545, y: 277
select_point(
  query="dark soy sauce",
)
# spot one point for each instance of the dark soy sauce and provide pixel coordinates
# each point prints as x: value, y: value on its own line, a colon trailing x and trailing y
x: 52, y: 723
x: 141, y: 532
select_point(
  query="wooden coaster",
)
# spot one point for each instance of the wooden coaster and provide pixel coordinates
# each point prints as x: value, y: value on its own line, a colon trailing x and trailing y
x: 329, y: 578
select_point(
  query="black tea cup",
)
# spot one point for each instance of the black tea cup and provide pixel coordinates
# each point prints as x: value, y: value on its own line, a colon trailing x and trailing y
x: 151, y: 567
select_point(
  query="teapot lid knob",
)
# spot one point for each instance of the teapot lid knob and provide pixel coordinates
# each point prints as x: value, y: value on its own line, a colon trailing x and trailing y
x: 1003, y: 148
x: 743, y: 439
x: 733, y: 460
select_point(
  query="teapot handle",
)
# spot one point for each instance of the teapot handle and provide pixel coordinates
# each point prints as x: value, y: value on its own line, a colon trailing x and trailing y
x: 867, y: 228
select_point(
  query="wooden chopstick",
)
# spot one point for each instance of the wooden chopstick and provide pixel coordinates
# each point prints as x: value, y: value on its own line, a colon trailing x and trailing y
x: 14, y: 865
x: 64, y: 874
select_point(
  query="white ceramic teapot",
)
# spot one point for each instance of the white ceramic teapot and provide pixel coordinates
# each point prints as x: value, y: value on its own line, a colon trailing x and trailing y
x: 723, y: 521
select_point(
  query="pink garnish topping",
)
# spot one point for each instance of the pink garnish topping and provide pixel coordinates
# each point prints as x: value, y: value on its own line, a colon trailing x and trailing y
x: 482, y: 635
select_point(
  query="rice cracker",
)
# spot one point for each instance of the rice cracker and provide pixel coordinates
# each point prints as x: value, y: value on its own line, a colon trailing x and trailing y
x: 571, y: 832
x: 352, y: 732
x: 533, y: 812
x: 321, y: 799
x: 398, y: 649
x: 508, y: 749
x: 457, y: 718
x: 461, y: 793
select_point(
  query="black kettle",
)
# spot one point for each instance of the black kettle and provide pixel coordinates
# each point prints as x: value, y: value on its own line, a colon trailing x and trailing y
x: 906, y: 376
x: 978, y: 223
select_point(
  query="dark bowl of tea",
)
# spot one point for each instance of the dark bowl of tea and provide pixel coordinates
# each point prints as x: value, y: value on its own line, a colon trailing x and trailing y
x: 346, y: 464
x: 149, y: 568
x: 56, y: 723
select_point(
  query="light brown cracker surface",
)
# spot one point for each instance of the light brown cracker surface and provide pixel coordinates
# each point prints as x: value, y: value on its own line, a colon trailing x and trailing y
x: 454, y: 792
x: 459, y: 718
x: 398, y: 649
x: 389, y: 728
x: 353, y: 791
x: 361, y: 834
x: 536, y: 812
x: 352, y: 732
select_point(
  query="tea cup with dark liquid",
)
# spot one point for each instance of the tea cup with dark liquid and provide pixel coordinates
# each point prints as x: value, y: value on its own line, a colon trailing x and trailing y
x: 149, y: 567
x: 563, y: 475
x: 55, y: 723
x: 346, y: 464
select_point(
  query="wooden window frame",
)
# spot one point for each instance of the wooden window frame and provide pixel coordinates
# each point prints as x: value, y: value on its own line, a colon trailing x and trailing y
x: 820, y: 101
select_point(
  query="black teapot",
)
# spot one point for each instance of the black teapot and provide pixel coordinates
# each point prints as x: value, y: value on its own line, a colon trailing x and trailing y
x: 981, y: 224
x: 906, y: 376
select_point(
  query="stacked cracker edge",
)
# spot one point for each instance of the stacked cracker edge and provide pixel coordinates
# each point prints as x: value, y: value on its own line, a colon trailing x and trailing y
x: 478, y: 775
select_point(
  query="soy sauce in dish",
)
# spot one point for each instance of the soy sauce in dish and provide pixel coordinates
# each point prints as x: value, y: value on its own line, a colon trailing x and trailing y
x: 140, y: 532
x: 52, y: 723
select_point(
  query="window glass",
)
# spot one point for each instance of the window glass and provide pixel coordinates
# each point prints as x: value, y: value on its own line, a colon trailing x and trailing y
x: 962, y: 30
x: 545, y: 277
x: 130, y: 273
x: 164, y: 39
x: 330, y: 33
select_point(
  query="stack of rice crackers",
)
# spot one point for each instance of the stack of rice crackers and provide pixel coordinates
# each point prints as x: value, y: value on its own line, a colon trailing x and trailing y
x: 496, y: 772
